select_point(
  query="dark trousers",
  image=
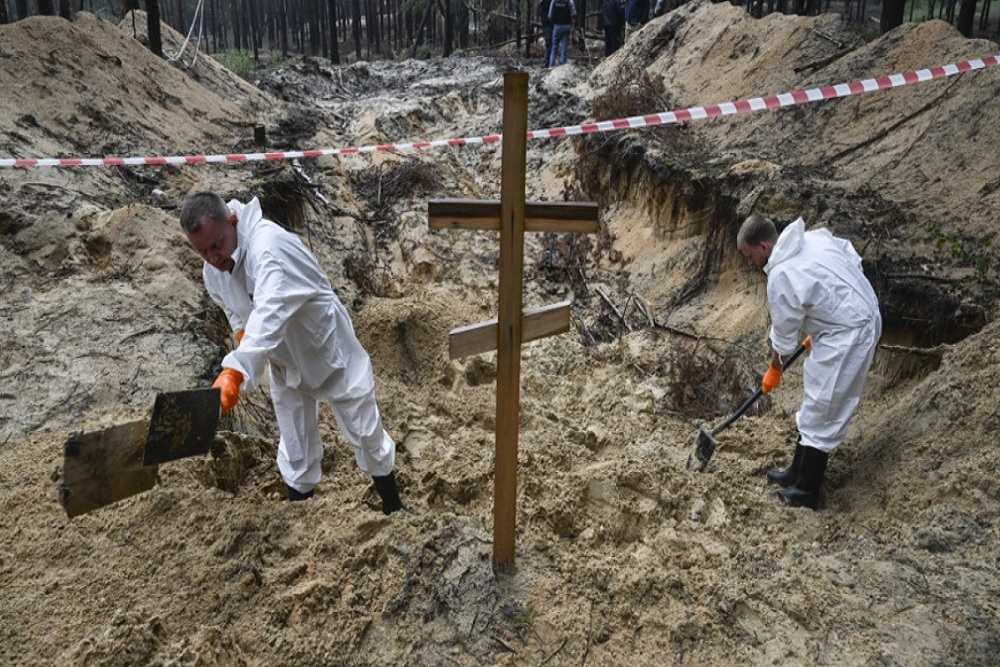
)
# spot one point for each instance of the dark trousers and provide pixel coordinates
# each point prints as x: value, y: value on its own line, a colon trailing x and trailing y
x: 612, y: 38
x: 547, y: 35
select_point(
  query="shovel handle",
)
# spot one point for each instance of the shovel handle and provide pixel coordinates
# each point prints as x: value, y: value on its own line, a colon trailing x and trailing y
x: 739, y: 412
x: 757, y: 394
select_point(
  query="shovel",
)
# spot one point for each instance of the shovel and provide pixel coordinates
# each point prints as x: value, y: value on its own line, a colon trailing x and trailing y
x: 183, y: 424
x: 105, y: 466
x: 705, y: 445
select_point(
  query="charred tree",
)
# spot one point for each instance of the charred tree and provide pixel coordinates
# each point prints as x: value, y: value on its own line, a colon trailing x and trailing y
x: 254, y: 28
x: 966, y: 16
x: 63, y: 9
x: 334, y: 49
x: 892, y: 14
x: 46, y: 8
x: 237, y: 35
x: 463, y: 25
x: 3, y: 13
x: 449, y: 29
x: 356, y: 27
x: 153, y: 27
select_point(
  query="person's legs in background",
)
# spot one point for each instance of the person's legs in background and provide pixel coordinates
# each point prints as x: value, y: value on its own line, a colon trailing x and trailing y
x: 560, y: 47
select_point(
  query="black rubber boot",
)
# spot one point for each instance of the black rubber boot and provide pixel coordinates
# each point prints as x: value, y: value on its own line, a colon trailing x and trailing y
x: 294, y: 495
x: 785, y: 478
x: 805, y: 493
x: 389, y: 493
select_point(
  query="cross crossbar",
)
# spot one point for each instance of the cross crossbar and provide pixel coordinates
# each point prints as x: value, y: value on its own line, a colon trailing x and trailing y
x: 537, y: 323
x: 558, y: 217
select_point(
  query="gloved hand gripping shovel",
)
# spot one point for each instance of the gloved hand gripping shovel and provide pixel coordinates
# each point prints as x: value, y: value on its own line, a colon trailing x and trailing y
x: 705, y: 445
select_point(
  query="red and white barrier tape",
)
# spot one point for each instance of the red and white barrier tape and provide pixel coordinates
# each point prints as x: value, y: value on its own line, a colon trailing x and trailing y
x: 746, y: 105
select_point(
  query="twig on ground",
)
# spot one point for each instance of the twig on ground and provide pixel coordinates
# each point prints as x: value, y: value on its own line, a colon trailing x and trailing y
x: 507, y: 646
x: 822, y: 62
x: 640, y: 304
x: 614, y: 308
x: 553, y: 654
x: 136, y: 334
x: 827, y: 37
x: 878, y: 136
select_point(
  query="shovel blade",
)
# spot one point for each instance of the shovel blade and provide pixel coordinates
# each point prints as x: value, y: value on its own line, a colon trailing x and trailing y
x: 704, y: 448
x: 103, y: 467
x: 183, y: 424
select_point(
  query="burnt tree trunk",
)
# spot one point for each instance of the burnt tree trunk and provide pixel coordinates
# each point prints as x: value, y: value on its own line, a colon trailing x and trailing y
x: 153, y: 27
x: 463, y: 25
x: 356, y: 27
x: 237, y: 34
x: 966, y: 16
x: 254, y: 28
x: 449, y: 29
x: 892, y: 14
x: 334, y: 49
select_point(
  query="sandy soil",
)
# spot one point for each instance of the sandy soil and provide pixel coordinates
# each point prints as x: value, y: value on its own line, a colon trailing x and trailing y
x: 624, y: 555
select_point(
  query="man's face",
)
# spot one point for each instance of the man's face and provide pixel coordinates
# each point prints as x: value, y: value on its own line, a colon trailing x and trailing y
x: 215, y: 242
x: 756, y: 254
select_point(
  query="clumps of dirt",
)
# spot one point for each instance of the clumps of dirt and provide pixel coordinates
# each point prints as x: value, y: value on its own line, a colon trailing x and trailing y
x: 239, y: 463
x: 408, y: 338
x: 710, y: 378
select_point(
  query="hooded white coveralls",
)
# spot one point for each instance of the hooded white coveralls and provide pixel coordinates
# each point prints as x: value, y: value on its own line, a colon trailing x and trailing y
x: 815, y: 285
x: 281, y: 298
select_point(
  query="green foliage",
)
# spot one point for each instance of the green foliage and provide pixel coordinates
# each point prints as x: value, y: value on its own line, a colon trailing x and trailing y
x: 970, y: 251
x: 238, y: 62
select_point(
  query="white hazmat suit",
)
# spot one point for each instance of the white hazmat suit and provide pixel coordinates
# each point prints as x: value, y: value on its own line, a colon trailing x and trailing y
x: 292, y: 320
x: 815, y: 285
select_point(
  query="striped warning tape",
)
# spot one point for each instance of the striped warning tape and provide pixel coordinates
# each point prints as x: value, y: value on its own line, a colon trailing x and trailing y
x: 746, y: 105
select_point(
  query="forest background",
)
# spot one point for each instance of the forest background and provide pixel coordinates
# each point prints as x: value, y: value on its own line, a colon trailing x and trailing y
x: 346, y: 31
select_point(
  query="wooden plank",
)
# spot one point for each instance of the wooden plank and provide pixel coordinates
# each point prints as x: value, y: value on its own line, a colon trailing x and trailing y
x: 482, y: 337
x: 556, y: 217
x: 103, y: 467
x: 513, y: 163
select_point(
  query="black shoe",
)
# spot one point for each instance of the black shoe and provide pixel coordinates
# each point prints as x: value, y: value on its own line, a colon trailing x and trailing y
x: 294, y: 495
x: 805, y: 493
x: 389, y: 493
x: 785, y: 478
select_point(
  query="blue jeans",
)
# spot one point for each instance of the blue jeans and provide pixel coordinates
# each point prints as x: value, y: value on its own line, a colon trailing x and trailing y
x: 560, y: 42
x: 547, y: 36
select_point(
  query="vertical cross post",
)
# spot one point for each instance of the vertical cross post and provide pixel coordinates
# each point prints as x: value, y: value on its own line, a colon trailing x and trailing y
x: 512, y: 217
x: 512, y: 169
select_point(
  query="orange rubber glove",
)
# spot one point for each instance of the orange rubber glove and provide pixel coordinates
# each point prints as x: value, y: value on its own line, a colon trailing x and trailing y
x: 228, y: 383
x: 808, y: 342
x: 772, y: 378
x: 239, y: 336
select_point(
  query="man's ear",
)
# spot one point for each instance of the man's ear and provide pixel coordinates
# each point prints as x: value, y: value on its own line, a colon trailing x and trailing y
x: 233, y: 219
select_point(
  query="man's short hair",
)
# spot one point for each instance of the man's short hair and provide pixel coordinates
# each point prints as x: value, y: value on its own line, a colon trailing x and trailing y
x: 202, y: 205
x: 756, y: 230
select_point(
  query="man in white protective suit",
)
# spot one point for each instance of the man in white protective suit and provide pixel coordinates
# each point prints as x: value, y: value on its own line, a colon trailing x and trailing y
x: 815, y: 287
x: 285, y: 315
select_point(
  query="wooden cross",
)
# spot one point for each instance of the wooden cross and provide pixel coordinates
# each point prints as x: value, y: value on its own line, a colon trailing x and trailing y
x: 512, y: 217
